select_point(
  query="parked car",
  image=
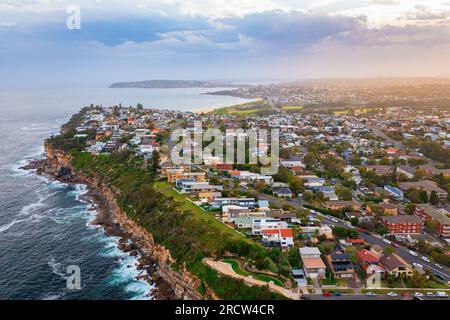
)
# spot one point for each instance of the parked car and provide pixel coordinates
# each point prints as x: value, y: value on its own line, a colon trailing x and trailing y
x: 429, y: 294
x: 413, y: 253
x: 387, y: 241
x: 327, y: 294
x: 418, y: 294
x: 438, y: 265
x: 392, y: 294
x: 370, y: 294
x: 441, y: 294
x: 337, y: 294
x: 417, y: 265
x: 437, y: 275
x: 425, y: 258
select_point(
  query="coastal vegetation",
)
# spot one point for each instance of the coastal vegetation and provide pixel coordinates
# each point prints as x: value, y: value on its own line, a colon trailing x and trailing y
x: 253, y: 108
x: 188, y: 232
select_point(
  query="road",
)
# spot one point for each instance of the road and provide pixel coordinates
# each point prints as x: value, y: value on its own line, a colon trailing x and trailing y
x: 396, y: 143
x: 369, y: 237
x: 401, y: 251
x: 364, y: 297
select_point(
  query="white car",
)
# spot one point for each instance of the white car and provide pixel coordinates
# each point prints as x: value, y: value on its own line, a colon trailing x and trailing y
x: 417, y: 265
x: 429, y: 294
x: 392, y: 294
x: 413, y: 253
x: 370, y: 294
x: 441, y: 294
x: 438, y: 265
x: 425, y: 258
x: 387, y: 241
x: 418, y: 294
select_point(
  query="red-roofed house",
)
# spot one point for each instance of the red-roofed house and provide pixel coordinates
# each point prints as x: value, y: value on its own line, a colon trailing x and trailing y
x: 223, y: 167
x: 391, y: 151
x: 356, y: 242
x: 278, y: 237
x: 370, y: 262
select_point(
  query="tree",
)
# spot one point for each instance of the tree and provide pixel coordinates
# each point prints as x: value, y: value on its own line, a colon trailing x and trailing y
x: 380, y: 229
x: 376, y: 210
x: 310, y: 159
x: 340, y: 232
x: 388, y: 250
x: 260, y: 186
x: 283, y: 175
x: 154, y: 162
x: 423, y: 195
x: 432, y: 225
x: 355, y: 160
x: 344, y: 193
x: 409, y: 208
x: 307, y: 196
x: 296, y: 184
x: 139, y: 106
x: 434, y: 199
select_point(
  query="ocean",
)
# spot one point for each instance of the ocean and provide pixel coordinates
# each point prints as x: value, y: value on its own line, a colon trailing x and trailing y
x: 45, y: 226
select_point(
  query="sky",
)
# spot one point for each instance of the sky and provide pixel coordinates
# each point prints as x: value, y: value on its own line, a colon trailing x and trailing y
x: 243, y: 40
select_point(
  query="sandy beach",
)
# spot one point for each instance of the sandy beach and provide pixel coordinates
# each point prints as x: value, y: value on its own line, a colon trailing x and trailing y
x: 204, y: 110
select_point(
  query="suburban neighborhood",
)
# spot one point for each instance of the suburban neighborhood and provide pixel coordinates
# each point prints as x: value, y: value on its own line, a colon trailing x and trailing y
x: 357, y: 197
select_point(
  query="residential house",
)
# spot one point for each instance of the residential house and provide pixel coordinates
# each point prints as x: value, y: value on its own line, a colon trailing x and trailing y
x: 278, y: 237
x: 340, y: 264
x: 394, y: 192
x: 267, y: 224
x: 339, y: 205
x: 313, y: 265
x: 440, y: 216
x: 282, y: 192
x: 242, y: 202
x: 407, y: 171
x: 426, y: 185
x: 389, y: 208
x: 197, y: 187
x: 394, y: 265
x: 370, y: 262
x: 402, y: 224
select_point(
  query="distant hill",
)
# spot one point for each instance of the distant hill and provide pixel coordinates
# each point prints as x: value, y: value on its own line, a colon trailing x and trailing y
x: 171, y: 84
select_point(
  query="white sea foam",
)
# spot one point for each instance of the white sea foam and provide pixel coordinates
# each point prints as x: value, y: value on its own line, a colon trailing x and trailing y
x: 126, y: 271
x: 53, y: 297
x: 57, y: 268
x: 9, y: 225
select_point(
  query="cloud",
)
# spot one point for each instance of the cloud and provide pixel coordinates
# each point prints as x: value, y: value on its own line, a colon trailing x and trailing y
x: 425, y: 13
x: 292, y: 29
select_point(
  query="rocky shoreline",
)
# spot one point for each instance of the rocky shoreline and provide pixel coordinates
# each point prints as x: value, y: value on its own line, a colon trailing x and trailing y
x: 154, y: 261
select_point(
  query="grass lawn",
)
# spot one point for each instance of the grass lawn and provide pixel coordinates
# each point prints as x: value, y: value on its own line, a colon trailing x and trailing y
x: 292, y: 108
x: 203, y: 217
x: 384, y: 291
x: 259, y: 276
x: 339, y: 290
x: 243, y: 109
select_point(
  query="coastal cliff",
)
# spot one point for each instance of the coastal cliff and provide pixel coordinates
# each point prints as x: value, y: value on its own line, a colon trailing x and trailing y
x: 155, y: 258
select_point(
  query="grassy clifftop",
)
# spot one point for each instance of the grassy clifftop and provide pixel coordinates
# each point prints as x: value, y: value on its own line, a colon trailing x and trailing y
x: 189, y: 233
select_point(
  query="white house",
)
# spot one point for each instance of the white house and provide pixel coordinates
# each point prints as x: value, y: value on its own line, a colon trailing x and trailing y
x: 267, y: 224
x: 278, y: 237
